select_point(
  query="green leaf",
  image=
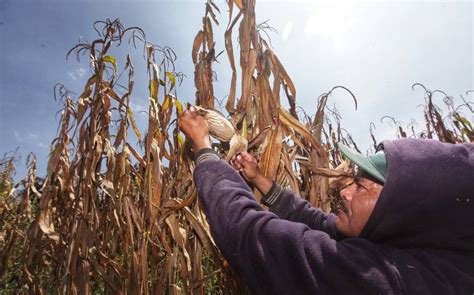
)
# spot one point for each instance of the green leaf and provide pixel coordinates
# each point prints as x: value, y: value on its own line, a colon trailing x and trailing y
x: 5, y: 190
x: 111, y: 59
x: 172, y: 78
x: 179, y: 106
x: 134, y: 124
x: 463, y: 120
x: 465, y: 131
x: 180, y: 140
x: 154, y: 83
x: 167, y: 103
x: 153, y: 89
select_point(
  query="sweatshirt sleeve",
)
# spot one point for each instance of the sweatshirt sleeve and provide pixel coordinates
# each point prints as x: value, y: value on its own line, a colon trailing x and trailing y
x: 287, y: 205
x: 276, y: 256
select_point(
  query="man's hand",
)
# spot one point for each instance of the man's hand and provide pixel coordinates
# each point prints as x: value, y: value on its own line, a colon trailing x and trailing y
x: 247, y: 165
x: 195, y: 128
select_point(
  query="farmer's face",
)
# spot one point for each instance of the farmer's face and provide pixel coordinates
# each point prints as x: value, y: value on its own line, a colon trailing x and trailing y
x: 358, y: 200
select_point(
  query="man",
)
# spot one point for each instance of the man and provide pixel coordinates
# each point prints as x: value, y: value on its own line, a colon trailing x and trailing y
x: 284, y: 203
x: 408, y: 227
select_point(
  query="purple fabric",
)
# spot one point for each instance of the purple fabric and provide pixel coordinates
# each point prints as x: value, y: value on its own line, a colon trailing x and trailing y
x: 277, y: 256
x: 426, y: 211
x: 291, y: 207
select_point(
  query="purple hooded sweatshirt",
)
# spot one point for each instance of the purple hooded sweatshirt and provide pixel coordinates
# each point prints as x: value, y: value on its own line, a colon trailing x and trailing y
x: 418, y: 240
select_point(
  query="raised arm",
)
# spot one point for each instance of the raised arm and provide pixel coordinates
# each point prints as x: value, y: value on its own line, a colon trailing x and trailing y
x: 276, y: 256
x: 284, y: 202
x: 272, y: 255
x: 287, y: 205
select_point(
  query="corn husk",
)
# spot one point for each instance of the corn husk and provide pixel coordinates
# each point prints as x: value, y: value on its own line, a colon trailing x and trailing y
x: 219, y: 127
x: 223, y: 130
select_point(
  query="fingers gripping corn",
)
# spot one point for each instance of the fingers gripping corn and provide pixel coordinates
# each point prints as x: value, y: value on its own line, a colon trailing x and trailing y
x: 223, y: 130
x: 219, y: 126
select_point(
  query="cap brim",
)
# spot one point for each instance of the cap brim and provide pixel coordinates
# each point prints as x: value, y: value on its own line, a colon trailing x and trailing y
x: 361, y: 161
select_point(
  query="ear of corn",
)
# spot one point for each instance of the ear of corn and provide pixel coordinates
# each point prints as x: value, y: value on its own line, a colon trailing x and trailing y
x: 219, y: 127
x: 223, y: 130
x: 237, y: 144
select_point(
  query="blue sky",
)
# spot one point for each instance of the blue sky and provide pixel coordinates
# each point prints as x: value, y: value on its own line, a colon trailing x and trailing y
x: 377, y: 49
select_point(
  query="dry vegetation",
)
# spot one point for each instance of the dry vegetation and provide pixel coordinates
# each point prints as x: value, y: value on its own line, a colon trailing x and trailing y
x: 111, y: 217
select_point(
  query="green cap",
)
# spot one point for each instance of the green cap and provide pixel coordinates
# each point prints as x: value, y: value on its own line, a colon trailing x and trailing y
x: 375, y: 165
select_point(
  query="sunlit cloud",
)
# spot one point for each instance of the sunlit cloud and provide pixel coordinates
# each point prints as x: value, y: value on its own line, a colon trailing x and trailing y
x: 25, y: 137
x: 18, y: 136
x: 76, y: 74
x: 80, y: 72
x: 287, y: 31
x: 138, y: 108
x: 71, y: 75
x: 329, y: 19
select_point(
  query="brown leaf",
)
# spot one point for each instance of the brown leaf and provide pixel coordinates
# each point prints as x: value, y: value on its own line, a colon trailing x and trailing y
x: 197, y: 43
x: 208, y: 32
x: 230, y: 105
x: 272, y: 150
x: 289, y: 121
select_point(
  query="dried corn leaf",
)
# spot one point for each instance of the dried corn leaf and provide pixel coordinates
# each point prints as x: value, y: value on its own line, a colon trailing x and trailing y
x: 134, y: 124
x: 290, y: 122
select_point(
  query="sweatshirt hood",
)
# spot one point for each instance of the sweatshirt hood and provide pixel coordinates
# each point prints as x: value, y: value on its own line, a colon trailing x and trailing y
x: 428, y: 197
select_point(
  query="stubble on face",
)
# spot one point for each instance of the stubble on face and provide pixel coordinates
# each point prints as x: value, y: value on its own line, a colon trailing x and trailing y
x: 358, y: 202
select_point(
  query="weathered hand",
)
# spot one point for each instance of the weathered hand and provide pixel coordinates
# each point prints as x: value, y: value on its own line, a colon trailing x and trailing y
x: 246, y: 164
x: 195, y: 128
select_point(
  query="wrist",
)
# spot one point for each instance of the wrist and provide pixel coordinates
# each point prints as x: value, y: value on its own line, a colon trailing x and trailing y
x: 205, y: 154
x: 262, y: 183
x: 201, y: 144
x: 272, y: 197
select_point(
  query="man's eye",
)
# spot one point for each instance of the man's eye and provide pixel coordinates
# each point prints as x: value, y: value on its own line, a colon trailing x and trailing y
x: 359, y: 185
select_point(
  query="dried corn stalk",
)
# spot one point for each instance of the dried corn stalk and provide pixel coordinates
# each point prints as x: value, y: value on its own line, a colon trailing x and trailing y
x: 112, y: 218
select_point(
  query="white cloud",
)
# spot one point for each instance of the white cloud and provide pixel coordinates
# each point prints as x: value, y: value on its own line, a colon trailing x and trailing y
x: 71, y: 75
x: 31, y: 135
x: 287, y: 31
x: 80, y: 72
x: 329, y: 20
x: 77, y: 73
x: 42, y: 145
x: 136, y: 107
x: 25, y: 137
x: 18, y: 136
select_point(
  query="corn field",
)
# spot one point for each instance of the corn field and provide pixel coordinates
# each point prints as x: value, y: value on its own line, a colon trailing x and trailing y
x: 112, y: 217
